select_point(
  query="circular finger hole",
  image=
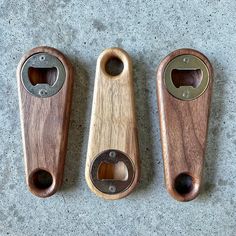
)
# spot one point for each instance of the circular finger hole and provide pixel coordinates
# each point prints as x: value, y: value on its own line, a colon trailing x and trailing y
x: 42, y: 179
x: 184, y: 184
x: 114, y: 66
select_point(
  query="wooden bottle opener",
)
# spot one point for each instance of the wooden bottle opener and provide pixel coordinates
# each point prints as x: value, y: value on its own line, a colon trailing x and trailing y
x: 112, y: 166
x: 45, y: 81
x: 184, y: 85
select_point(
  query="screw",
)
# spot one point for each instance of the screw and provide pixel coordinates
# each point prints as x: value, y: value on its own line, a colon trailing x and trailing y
x: 186, y: 94
x: 43, y: 92
x: 42, y: 58
x: 112, y: 154
x: 186, y: 60
x: 112, y: 189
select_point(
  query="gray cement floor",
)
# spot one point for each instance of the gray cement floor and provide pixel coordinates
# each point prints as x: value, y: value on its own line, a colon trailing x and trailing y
x: 148, y: 31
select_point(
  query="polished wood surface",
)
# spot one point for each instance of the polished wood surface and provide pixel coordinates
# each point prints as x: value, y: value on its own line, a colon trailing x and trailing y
x: 113, y: 121
x: 183, y: 127
x: 45, y: 123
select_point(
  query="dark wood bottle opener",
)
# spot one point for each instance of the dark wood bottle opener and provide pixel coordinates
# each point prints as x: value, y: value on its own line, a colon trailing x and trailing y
x: 184, y: 85
x: 45, y: 81
x: 112, y: 166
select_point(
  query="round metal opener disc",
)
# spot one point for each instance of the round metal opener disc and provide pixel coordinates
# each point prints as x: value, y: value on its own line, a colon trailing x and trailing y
x: 111, y: 186
x: 43, y: 61
x: 186, y: 62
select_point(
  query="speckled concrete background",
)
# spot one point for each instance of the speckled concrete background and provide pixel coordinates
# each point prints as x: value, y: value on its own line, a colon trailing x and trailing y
x: 148, y: 31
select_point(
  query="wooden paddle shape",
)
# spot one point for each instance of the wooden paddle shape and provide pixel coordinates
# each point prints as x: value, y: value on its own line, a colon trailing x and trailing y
x: 112, y: 166
x: 184, y: 85
x: 45, y: 81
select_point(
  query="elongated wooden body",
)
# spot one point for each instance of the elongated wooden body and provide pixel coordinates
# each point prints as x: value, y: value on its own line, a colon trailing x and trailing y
x: 44, y: 120
x: 183, y: 126
x: 113, y: 130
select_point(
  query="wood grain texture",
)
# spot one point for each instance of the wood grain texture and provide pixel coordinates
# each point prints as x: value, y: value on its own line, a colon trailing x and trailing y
x: 113, y: 120
x: 45, y: 123
x: 183, y: 130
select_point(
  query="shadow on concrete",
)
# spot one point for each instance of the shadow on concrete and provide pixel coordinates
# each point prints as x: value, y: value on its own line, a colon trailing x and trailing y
x: 77, y: 130
x: 214, y: 130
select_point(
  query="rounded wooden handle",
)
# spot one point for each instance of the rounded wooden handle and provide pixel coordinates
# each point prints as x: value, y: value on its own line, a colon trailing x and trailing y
x: 45, y: 80
x: 184, y: 111
x: 112, y: 165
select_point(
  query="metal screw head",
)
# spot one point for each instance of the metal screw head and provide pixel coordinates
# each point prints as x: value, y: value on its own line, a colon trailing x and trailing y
x: 112, y: 154
x: 42, y: 58
x: 186, y: 94
x: 43, y: 92
x: 112, y: 189
x: 186, y: 60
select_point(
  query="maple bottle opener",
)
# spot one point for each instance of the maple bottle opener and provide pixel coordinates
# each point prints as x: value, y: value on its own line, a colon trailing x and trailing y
x: 184, y: 85
x: 45, y: 81
x: 112, y: 165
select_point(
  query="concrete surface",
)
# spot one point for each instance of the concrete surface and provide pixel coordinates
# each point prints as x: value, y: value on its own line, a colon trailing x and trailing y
x: 148, y: 30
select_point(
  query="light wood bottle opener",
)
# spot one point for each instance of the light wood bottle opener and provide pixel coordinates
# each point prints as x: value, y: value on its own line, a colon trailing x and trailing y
x: 184, y: 85
x: 45, y: 81
x: 112, y: 166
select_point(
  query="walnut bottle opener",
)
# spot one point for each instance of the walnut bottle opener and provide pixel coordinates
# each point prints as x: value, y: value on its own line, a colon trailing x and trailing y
x: 45, y: 81
x: 184, y: 85
x: 112, y: 165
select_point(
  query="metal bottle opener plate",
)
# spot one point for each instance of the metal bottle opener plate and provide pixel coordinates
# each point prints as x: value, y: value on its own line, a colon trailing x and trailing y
x: 111, y: 186
x: 43, y: 61
x: 186, y: 62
